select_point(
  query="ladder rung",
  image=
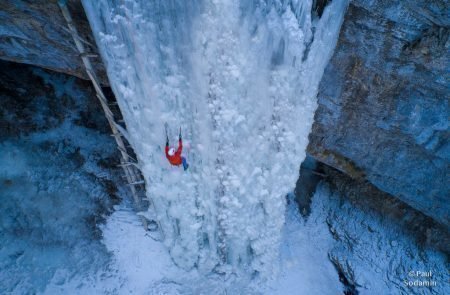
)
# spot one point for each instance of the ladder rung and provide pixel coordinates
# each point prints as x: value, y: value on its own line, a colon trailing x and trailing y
x: 127, y: 164
x: 137, y: 182
x: 88, y: 54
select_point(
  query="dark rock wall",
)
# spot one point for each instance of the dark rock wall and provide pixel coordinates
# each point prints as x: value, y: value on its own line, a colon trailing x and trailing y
x: 384, y: 102
x: 35, y: 32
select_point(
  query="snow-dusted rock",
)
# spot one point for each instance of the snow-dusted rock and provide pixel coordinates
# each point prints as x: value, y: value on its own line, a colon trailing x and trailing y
x: 35, y: 32
x: 384, y: 102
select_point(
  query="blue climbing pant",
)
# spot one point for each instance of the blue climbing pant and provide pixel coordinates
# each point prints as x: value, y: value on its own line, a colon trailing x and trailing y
x: 185, y: 164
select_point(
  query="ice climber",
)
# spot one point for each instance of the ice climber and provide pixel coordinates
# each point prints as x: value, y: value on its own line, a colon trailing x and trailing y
x: 174, y: 156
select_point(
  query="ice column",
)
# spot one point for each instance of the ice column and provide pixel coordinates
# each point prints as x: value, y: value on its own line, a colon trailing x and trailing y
x: 241, y: 79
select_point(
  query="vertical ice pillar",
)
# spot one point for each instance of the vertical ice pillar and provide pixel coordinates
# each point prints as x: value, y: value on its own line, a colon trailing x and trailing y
x: 240, y: 78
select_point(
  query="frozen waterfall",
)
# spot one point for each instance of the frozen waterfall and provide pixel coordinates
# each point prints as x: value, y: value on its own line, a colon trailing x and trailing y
x: 241, y: 79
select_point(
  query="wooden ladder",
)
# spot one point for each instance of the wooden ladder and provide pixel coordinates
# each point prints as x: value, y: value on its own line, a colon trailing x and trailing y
x: 129, y: 165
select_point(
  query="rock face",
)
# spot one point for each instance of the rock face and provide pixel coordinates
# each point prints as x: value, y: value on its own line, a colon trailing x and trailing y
x: 384, y: 102
x: 35, y: 32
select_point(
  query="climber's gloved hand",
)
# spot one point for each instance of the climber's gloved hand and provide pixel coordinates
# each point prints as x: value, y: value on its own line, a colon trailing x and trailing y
x: 167, y: 141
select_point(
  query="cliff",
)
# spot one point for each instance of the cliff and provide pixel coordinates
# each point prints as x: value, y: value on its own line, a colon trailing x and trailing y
x: 384, y: 102
x: 35, y: 33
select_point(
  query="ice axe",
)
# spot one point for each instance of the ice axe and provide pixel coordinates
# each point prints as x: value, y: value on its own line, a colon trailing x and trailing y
x: 167, y: 136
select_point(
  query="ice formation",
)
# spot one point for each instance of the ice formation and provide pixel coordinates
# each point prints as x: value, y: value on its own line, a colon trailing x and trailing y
x: 240, y: 78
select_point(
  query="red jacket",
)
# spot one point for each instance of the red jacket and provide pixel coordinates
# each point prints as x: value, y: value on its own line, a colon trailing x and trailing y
x: 175, y: 159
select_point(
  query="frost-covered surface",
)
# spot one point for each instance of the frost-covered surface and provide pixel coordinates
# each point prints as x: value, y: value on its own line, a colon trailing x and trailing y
x: 47, y: 223
x: 377, y: 253
x: 52, y: 193
x: 240, y: 78
x: 55, y: 181
x: 141, y: 265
